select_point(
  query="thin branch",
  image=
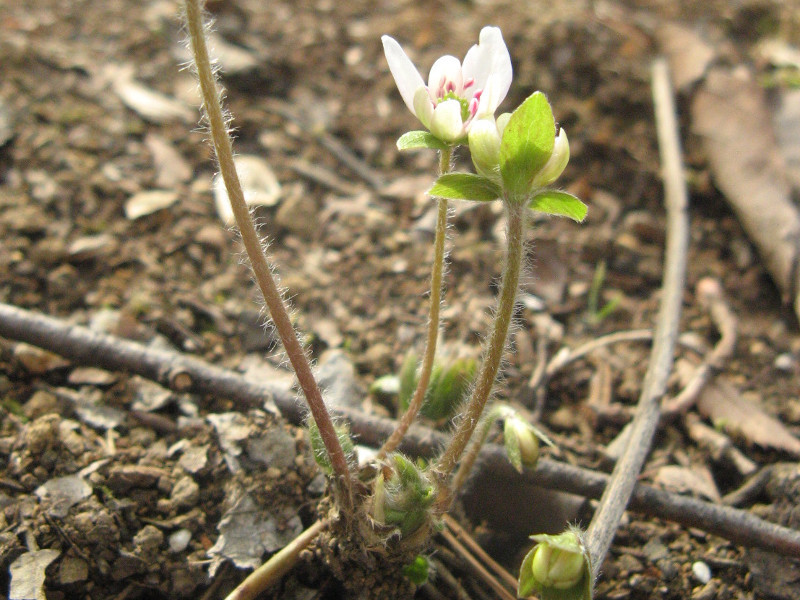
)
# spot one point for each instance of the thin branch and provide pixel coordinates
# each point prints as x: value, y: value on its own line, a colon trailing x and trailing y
x: 475, y: 565
x: 623, y: 479
x: 712, y: 298
x: 469, y: 542
x: 252, y: 243
x: 184, y: 374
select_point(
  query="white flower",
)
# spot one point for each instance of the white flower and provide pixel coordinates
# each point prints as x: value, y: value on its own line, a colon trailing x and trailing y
x: 457, y: 94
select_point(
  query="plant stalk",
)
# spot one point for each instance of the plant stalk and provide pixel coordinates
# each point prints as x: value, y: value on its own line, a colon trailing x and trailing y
x: 252, y: 243
x: 433, y: 320
x: 493, y: 353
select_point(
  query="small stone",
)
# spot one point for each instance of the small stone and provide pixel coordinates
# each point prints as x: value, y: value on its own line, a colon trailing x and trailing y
x: 42, y: 433
x: 298, y: 214
x: 147, y: 542
x: 185, y: 493
x: 127, y: 564
x: 274, y: 448
x: 701, y: 571
x: 72, y: 569
x: 785, y: 362
x: 125, y: 477
x: 40, y: 403
x: 179, y: 540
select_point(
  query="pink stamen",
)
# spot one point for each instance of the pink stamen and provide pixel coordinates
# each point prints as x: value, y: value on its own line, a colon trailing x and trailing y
x: 469, y: 82
x: 473, y: 106
x: 451, y: 87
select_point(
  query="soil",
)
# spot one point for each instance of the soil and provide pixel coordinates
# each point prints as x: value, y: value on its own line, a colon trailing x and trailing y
x: 141, y: 493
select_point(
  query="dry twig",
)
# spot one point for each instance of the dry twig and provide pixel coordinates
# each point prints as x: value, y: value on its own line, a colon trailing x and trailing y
x: 623, y: 479
x: 185, y: 374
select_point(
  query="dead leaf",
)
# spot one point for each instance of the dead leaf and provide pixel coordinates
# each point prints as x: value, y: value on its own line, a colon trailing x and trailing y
x: 689, y: 54
x: 721, y: 402
x: 696, y: 480
x: 730, y: 113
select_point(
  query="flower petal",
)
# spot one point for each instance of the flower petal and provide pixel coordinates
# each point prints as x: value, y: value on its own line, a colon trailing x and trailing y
x: 423, y: 106
x: 489, y: 57
x: 490, y: 99
x: 446, y: 69
x: 446, y: 123
x: 405, y: 74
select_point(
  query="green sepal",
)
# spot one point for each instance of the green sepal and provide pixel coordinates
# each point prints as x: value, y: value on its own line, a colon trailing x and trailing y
x: 527, y: 144
x: 319, y: 451
x: 560, y: 204
x: 417, y: 570
x: 414, y: 140
x: 527, y: 584
x: 465, y: 186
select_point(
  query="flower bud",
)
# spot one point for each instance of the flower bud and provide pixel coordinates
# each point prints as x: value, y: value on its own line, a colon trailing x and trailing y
x: 403, y: 497
x: 556, y: 164
x: 484, y: 146
x: 558, y: 568
x: 521, y: 442
x: 553, y: 567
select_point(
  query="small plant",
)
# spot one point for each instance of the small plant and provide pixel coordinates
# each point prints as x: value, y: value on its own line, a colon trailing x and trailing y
x: 388, y: 509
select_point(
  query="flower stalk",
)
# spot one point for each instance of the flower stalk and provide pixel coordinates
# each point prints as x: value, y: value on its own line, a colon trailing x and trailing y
x: 437, y: 276
x: 515, y: 214
x: 261, y: 268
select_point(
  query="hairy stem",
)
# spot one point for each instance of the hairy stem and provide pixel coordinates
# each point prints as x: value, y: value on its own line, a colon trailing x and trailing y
x: 261, y: 268
x: 474, y: 449
x: 433, y: 320
x: 493, y: 352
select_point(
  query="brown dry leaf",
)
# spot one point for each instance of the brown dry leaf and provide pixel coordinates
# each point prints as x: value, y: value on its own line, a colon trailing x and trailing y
x: 721, y: 402
x: 696, y: 479
x: 688, y: 53
x: 730, y: 113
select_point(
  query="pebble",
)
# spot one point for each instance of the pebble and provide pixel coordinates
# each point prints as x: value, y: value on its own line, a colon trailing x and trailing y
x: 186, y: 493
x: 701, y: 571
x: 785, y: 362
x: 179, y: 540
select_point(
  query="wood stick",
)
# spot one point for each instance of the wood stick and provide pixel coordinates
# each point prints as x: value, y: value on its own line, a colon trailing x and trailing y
x: 186, y: 374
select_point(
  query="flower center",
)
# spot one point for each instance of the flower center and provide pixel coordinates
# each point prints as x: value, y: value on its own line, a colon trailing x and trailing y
x: 465, y: 104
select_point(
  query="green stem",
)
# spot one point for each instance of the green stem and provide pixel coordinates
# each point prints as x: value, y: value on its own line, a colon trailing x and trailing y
x: 252, y: 243
x: 475, y: 446
x: 433, y: 319
x: 493, y: 353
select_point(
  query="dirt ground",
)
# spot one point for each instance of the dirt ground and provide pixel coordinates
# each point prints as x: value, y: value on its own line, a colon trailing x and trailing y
x: 115, y: 488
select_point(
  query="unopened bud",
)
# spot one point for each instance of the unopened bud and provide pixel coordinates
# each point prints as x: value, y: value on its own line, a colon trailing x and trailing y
x: 484, y: 146
x: 558, y: 568
x: 556, y: 164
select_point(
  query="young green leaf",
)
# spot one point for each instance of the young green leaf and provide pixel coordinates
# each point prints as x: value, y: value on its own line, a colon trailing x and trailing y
x: 560, y: 204
x: 465, y: 186
x: 527, y: 143
x: 413, y: 140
